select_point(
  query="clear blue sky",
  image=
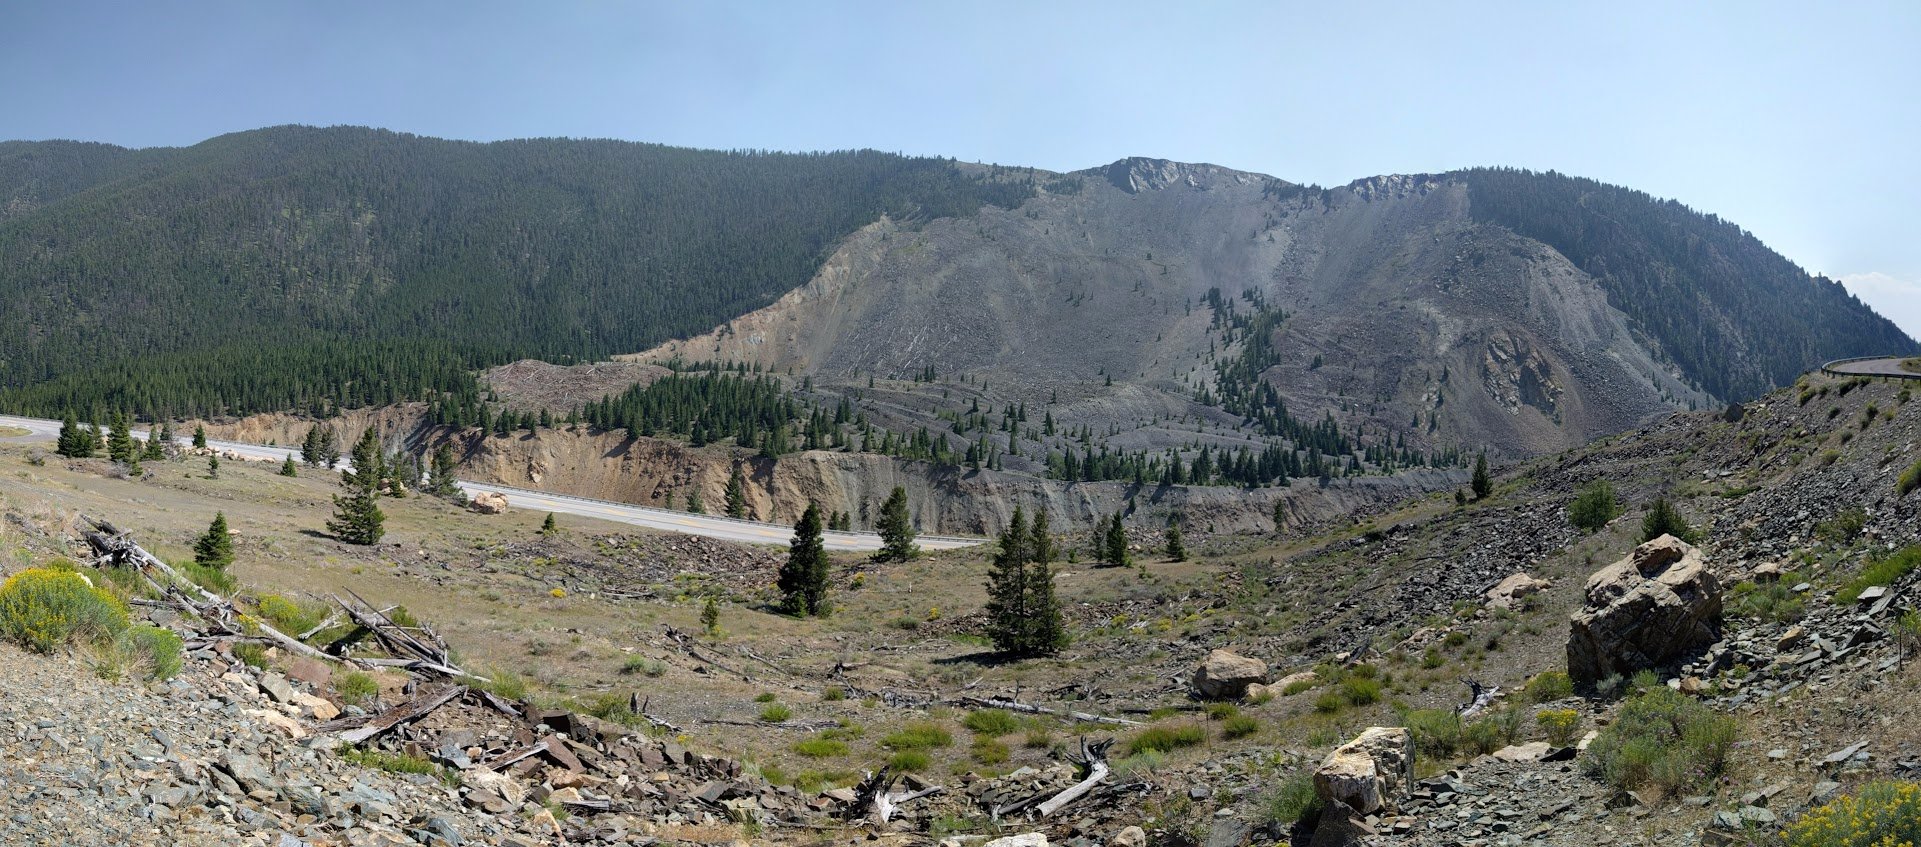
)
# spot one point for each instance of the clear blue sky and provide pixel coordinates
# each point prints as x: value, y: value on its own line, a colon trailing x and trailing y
x: 1800, y: 121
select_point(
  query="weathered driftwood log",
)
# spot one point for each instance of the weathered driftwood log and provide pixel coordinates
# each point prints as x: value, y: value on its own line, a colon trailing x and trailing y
x: 1029, y: 708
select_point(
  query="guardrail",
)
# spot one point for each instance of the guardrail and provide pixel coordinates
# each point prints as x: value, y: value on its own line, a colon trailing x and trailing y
x: 1829, y: 367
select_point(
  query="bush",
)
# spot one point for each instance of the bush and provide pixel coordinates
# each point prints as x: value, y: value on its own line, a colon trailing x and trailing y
x: 1240, y: 726
x: 1222, y: 711
x: 1774, y: 601
x: 1909, y: 481
x: 1663, y: 738
x: 1161, y: 739
x: 764, y: 697
x: 213, y: 579
x: 1843, y: 527
x: 643, y: 666
x: 42, y: 609
x: 775, y: 713
x: 1296, y: 687
x: 1558, y: 724
x: 1883, y: 571
x: 918, y: 736
x: 1880, y: 813
x: 1436, y: 732
x: 1293, y: 800
x: 833, y: 694
x: 250, y: 654
x: 1493, y: 731
x: 1361, y: 691
x: 356, y: 688
x: 1594, y: 506
x: 908, y: 761
x: 1037, y: 739
x: 1549, y: 686
x: 1330, y: 702
x: 288, y: 616
x: 157, y: 649
x: 1663, y: 519
x: 993, y: 723
x: 820, y: 748
x: 987, y: 751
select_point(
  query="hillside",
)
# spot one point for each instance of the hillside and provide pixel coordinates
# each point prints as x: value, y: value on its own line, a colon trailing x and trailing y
x: 295, y: 266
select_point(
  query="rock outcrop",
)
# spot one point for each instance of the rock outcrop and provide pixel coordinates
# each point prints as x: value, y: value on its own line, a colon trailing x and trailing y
x: 1646, y: 611
x: 1225, y: 675
x: 1515, y: 590
x: 1370, y: 773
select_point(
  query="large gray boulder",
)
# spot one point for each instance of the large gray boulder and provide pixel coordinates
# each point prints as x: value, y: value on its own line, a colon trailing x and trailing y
x: 1225, y: 675
x: 1652, y: 608
x: 1370, y: 773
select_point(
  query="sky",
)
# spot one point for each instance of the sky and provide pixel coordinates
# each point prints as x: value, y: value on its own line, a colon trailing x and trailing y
x: 1798, y: 121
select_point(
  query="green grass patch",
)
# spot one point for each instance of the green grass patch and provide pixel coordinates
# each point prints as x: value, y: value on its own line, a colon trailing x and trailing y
x: 1772, y: 601
x: 921, y: 735
x: 908, y: 761
x: 820, y: 748
x: 992, y: 723
x: 1882, y: 571
x: 1293, y: 800
x: 1549, y: 686
x: 1909, y: 480
x: 1162, y: 739
x: 397, y: 763
x: 775, y: 713
x: 1436, y: 732
x: 287, y: 615
x: 356, y: 688
x: 1240, y: 726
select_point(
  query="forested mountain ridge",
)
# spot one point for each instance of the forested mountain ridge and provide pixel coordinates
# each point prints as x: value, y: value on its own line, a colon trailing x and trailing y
x: 120, y: 268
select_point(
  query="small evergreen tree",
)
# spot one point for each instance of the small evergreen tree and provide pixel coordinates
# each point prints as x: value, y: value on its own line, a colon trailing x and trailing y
x: 548, y: 527
x: 694, y: 505
x: 75, y: 443
x: 312, y: 451
x: 1045, y: 633
x: 710, y: 616
x: 155, y: 448
x: 1280, y: 515
x: 1114, y: 548
x: 736, y: 494
x: 214, y: 549
x: 357, y: 517
x: 442, y: 481
x: 287, y: 467
x: 1594, y: 506
x: 896, y: 529
x: 803, y: 578
x: 1176, y: 551
x: 1663, y: 519
x: 199, y: 436
x: 1482, y: 484
x: 120, y: 441
x: 213, y: 465
x: 1007, y: 588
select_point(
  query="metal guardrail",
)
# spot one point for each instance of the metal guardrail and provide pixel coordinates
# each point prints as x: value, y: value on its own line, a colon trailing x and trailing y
x: 1829, y: 367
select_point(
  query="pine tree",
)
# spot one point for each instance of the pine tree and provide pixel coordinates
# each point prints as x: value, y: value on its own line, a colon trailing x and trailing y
x: 329, y: 446
x: 1280, y: 515
x: 736, y: 494
x: 1176, y: 551
x: 694, y: 505
x: 1007, y: 619
x: 442, y: 481
x: 1663, y: 519
x: 548, y: 527
x: 710, y: 616
x: 1114, y: 550
x: 287, y: 467
x: 120, y: 441
x: 75, y: 443
x: 803, y: 578
x: 311, y: 450
x: 1045, y: 634
x: 1482, y: 485
x: 896, y: 529
x: 214, y: 549
x: 213, y: 465
x: 199, y: 437
x: 357, y: 517
x: 156, y: 446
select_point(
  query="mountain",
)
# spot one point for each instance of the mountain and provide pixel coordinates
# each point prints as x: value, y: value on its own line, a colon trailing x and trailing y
x: 1529, y: 312
x: 278, y: 267
x: 1163, y: 305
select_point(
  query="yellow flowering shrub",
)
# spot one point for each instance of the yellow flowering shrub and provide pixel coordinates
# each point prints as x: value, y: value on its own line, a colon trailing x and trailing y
x: 1881, y: 814
x: 42, y: 609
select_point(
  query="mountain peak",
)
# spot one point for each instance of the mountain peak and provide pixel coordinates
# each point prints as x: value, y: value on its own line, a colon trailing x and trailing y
x: 1136, y: 174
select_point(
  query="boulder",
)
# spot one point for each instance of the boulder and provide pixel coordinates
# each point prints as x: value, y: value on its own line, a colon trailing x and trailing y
x: 1511, y: 592
x: 1281, y: 685
x: 1225, y: 674
x: 488, y: 503
x: 1648, y: 610
x: 1028, y: 839
x: 1132, y: 836
x: 1370, y: 773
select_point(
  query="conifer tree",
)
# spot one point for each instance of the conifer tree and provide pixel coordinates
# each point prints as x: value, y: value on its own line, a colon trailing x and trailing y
x: 120, y: 441
x: 1663, y: 519
x: 75, y: 443
x: 1176, y: 550
x: 287, y: 467
x: 442, y: 481
x: 1114, y: 550
x: 548, y: 527
x: 896, y: 529
x: 357, y: 517
x: 1481, y: 484
x: 803, y: 578
x: 311, y: 450
x: 214, y: 548
x: 1007, y: 588
x: 155, y: 448
x: 1045, y: 634
x: 694, y: 505
x: 736, y: 494
x: 199, y: 436
x: 1280, y: 515
x: 166, y: 434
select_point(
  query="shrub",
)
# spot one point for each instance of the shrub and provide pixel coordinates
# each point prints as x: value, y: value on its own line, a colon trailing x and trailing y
x: 1360, y: 691
x: 250, y: 654
x: 1558, y: 724
x: 1909, y: 481
x: 1293, y: 800
x: 908, y: 761
x: 1436, y: 732
x: 820, y: 748
x: 987, y: 751
x: 215, y: 580
x: 834, y: 694
x: 1549, y: 686
x: 397, y: 763
x: 1493, y: 731
x: 1594, y: 506
x: 1774, y: 601
x: 993, y: 723
x: 764, y: 697
x: 356, y: 688
x: 155, y: 648
x: 643, y: 666
x: 42, y: 609
x: 288, y: 616
x: 1663, y: 519
x: 1843, y: 527
x: 918, y: 736
x: 1883, y: 571
x: 1880, y: 813
x: 1037, y: 739
x: 1296, y: 687
x: 775, y: 713
x: 1663, y: 738
x: 1330, y: 702
x: 1222, y: 711
x: 1161, y: 739
x: 1240, y: 726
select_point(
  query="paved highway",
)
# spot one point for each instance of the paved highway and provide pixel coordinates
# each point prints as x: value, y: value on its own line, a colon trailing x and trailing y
x: 1884, y: 366
x: 712, y: 526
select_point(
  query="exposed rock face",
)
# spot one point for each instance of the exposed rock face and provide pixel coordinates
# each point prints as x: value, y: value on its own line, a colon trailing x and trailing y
x: 1370, y: 773
x: 1644, y: 611
x: 488, y: 503
x: 1225, y: 675
x: 1515, y: 589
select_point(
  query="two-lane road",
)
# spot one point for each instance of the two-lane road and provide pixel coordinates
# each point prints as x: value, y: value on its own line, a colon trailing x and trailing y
x: 711, y: 526
x: 1886, y: 366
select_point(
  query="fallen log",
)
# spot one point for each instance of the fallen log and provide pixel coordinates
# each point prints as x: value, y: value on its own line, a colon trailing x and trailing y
x: 1095, y: 757
x: 1483, y: 697
x: 1029, y: 708
x: 411, y: 710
